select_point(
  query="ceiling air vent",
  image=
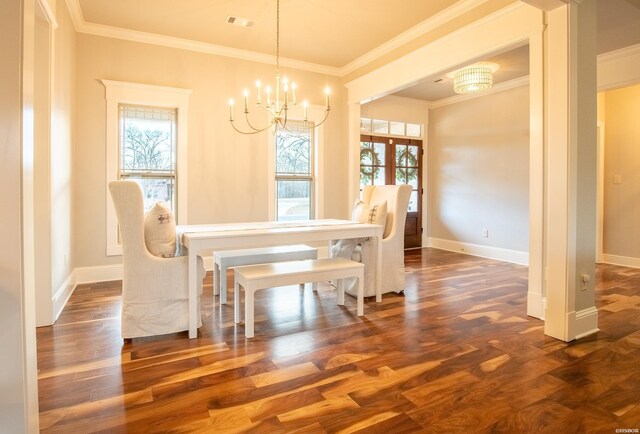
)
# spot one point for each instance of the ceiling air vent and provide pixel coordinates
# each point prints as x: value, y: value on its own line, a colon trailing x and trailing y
x: 242, y: 22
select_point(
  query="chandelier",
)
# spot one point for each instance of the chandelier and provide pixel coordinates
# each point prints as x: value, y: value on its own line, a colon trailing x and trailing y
x: 277, y: 105
x: 474, y: 78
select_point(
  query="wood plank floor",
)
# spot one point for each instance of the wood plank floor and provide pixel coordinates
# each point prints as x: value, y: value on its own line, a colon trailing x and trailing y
x: 457, y: 353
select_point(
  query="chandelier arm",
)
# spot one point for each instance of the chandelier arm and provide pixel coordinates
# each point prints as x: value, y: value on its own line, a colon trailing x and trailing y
x: 249, y: 132
x: 246, y: 115
x: 284, y: 125
x: 326, y: 115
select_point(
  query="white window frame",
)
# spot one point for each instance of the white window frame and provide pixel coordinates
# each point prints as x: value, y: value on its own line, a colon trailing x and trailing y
x: 315, y: 114
x: 118, y: 92
x: 388, y: 134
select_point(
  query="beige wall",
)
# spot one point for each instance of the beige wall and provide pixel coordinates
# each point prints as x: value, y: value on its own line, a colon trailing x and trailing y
x: 227, y: 173
x: 397, y: 109
x: 54, y: 99
x: 622, y: 157
x: 42, y: 168
x: 62, y: 112
x: 478, y: 170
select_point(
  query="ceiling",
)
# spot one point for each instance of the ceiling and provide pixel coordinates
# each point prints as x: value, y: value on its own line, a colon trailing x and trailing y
x: 618, y: 26
x: 325, y: 32
x: 330, y: 34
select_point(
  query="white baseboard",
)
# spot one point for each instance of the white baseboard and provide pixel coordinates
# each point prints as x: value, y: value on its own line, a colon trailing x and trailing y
x: 500, y: 254
x: 101, y: 273
x: 585, y: 322
x: 61, y: 297
x: 625, y: 261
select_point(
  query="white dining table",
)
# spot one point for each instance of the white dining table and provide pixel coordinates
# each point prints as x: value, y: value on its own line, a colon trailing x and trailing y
x: 202, y: 240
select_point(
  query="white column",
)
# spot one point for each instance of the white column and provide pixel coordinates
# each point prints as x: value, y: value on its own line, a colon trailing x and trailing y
x: 570, y: 117
x: 354, y: 153
x: 535, y: 292
x: 18, y: 376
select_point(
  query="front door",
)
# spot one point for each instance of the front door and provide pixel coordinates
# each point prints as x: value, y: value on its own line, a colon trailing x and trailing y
x: 393, y: 161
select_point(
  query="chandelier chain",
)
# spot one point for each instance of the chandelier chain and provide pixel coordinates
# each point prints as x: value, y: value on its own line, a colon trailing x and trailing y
x: 278, y: 36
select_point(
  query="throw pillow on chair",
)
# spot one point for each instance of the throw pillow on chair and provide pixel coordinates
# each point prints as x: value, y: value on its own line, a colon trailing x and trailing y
x: 160, y: 231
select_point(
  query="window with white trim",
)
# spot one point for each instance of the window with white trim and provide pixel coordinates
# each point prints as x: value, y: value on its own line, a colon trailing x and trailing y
x: 294, y: 174
x: 156, y: 119
x: 392, y: 128
x: 148, y: 152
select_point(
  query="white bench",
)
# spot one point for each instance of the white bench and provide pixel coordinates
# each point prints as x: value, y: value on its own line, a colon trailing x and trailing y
x: 233, y: 258
x: 255, y: 277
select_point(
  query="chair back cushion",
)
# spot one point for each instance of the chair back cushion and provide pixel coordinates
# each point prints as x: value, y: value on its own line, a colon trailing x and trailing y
x: 397, y: 199
x: 127, y: 201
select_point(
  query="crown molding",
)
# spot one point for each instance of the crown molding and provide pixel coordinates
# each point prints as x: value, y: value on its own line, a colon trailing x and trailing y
x: 202, y: 47
x: 186, y: 44
x: 76, y: 13
x: 442, y: 17
x: 168, y: 41
x: 405, y: 99
x: 622, y: 53
x: 416, y: 31
x: 505, y: 85
x: 51, y: 16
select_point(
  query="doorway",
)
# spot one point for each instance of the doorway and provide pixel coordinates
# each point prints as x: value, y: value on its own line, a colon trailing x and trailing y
x: 394, y: 161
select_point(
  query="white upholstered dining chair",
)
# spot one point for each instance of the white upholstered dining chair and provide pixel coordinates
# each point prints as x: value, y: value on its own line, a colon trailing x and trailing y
x: 155, y: 297
x: 393, y: 279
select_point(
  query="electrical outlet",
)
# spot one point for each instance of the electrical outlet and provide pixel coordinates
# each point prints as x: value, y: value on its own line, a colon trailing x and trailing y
x: 617, y: 179
x: 485, y: 233
x: 585, y: 282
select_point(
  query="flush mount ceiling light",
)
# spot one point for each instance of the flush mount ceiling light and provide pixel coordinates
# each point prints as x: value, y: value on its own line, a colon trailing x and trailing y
x: 284, y: 98
x: 473, y: 78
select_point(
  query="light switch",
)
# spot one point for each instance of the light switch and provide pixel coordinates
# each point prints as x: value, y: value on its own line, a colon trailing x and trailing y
x: 617, y: 179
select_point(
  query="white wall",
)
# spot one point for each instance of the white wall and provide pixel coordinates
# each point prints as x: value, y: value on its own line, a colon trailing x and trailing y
x: 622, y: 158
x: 392, y: 108
x: 227, y: 172
x: 478, y: 165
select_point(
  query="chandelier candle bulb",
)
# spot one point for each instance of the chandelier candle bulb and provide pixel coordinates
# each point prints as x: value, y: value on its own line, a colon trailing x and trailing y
x: 326, y: 99
x: 246, y: 105
x: 231, y: 110
x: 259, y: 93
x: 286, y: 94
x: 277, y: 92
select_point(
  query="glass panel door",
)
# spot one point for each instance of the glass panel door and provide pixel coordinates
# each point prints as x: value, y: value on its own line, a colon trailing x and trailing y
x: 394, y: 161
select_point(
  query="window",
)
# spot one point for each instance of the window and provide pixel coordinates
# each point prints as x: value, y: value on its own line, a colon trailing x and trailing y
x: 396, y: 129
x: 294, y: 177
x: 148, y: 152
x: 147, y: 142
x: 372, y: 162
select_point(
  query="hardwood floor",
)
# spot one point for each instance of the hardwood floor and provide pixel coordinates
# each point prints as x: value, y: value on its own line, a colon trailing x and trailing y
x: 457, y: 353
